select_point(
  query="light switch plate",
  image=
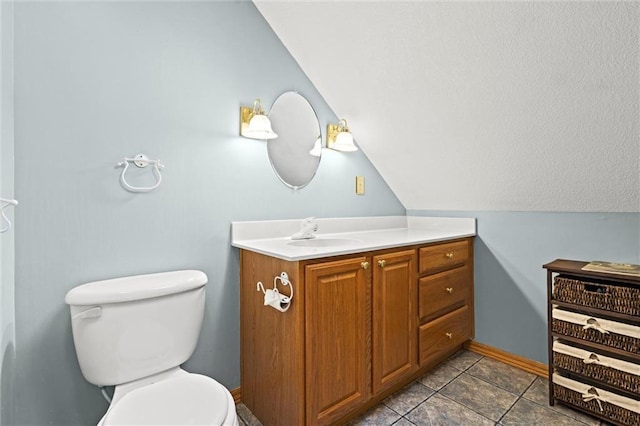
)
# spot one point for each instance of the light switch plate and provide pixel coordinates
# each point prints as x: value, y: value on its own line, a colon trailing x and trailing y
x: 360, y: 185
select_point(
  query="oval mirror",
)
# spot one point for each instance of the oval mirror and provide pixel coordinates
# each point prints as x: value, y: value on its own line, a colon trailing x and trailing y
x: 296, y: 123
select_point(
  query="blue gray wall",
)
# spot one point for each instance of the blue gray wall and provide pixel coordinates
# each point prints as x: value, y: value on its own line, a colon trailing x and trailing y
x: 510, y: 283
x: 7, y: 245
x: 98, y: 81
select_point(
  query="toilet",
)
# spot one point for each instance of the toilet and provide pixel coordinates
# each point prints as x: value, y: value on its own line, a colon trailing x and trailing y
x: 134, y: 333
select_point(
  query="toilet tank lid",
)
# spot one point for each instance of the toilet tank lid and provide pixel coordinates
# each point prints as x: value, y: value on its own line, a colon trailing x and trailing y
x: 127, y: 289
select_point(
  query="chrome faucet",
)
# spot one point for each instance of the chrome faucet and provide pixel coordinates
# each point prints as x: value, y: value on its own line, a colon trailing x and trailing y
x: 307, y: 230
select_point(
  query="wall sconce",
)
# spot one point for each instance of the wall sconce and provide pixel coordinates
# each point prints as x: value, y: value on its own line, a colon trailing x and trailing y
x: 339, y: 137
x: 254, y: 124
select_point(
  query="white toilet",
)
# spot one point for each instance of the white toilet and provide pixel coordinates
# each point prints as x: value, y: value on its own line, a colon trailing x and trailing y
x: 134, y: 332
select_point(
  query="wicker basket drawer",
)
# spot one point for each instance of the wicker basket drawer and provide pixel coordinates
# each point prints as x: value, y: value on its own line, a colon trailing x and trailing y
x: 614, y: 334
x: 597, y: 401
x: 612, y: 371
x: 601, y: 295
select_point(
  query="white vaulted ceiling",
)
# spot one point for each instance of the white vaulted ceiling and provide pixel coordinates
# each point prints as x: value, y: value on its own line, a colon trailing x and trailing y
x: 524, y: 106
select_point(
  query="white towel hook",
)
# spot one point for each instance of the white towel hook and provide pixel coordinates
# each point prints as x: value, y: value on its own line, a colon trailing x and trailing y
x: 7, y: 223
x: 141, y: 161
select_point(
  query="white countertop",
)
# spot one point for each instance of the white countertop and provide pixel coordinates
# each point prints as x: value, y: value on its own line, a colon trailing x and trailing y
x: 338, y: 236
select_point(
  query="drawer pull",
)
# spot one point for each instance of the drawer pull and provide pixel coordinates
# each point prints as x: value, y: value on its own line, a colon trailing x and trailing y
x: 382, y: 263
x: 591, y: 359
x: 365, y: 265
x: 449, y: 335
x: 449, y: 255
x: 449, y: 290
x: 594, y: 324
x: 592, y: 394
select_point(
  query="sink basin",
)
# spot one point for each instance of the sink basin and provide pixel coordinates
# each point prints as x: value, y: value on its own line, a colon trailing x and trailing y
x: 323, y: 242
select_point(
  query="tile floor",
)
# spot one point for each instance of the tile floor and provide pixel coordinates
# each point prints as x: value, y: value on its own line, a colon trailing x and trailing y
x: 467, y: 389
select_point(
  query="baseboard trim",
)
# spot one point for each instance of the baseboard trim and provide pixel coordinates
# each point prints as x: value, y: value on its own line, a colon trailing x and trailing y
x: 517, y: 361
x: 237, y: 395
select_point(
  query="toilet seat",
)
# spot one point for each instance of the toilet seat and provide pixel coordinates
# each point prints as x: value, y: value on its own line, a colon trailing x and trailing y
x: 185, y: 399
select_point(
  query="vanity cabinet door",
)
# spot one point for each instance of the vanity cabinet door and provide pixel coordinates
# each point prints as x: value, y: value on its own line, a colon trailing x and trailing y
x: 395, y: 325
x: 336, y: 325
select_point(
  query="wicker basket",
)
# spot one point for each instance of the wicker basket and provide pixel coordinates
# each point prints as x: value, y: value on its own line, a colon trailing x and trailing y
x: 600, y: 295
x: 613, y: 340
x: 610, y: 411
x: 611, y: 376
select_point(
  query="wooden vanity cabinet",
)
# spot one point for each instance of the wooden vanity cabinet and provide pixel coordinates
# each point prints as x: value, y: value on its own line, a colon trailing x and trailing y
x: 351, y: 335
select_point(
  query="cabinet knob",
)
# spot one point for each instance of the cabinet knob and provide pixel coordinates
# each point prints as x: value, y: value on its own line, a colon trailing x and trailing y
x: 382, y: 263
x: 449, y: 290
x: 449, y: 335
x: 364, y: 265
x: 449, y: 255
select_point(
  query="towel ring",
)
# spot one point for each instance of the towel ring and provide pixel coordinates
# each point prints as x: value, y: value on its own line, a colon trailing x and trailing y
x: 284, y: 279
x: 7, y: 222
x: 141, y: 161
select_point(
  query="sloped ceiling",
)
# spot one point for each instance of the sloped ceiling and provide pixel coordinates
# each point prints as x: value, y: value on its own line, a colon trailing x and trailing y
x: 523, y: 106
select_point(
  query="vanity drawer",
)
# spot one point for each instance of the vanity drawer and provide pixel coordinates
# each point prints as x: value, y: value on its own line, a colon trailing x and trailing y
x: 443, y: 292
x: 443, y: 256
x: 439, y: 336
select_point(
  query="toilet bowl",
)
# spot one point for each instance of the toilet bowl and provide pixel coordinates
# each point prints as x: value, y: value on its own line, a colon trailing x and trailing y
x: 174, y: 398
x: 134, y: 333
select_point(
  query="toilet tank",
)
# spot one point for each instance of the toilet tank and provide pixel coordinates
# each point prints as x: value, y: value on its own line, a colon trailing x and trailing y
x: 129, y: 328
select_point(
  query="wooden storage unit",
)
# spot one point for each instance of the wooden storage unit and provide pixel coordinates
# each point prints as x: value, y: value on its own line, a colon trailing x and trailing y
x: 594, y: 341
x: 350, y: 337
